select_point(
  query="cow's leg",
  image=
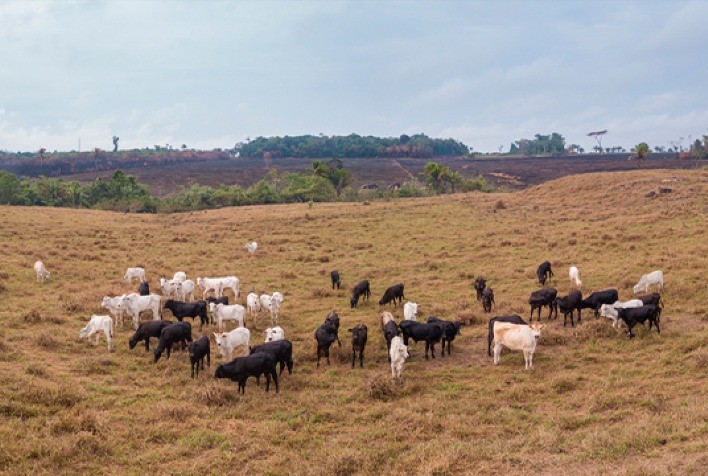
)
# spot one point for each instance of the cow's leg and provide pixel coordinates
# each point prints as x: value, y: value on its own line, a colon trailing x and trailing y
x: 531, y: 360
x: 361, y: 358
x: 432, y: 349
x: 318, y: 355
x: 427, y: 346
x: 327, y: 354
x: 526, y: 360
x: 497, y: 351
x: 353, y: 357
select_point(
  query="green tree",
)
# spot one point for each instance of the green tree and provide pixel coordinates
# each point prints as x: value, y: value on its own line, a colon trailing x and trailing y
x: 333, y: 171
x: 435, y: 174
x: 641, y: 150
x: 12, y: 190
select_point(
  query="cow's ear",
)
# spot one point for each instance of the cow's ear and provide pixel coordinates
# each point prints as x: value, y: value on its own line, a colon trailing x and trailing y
x: 351, y: 330
x: 542, y: 326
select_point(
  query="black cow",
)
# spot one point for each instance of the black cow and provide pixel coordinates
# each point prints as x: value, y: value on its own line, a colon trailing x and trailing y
x: 655, y: 299
x: 197, y: 351
x: 640, y: 315
x: 595, y: 300
x: 544, y: 272
x: 253, y: 365
x: 390, y: 330
x: 450, y: 330
x: 393, y: 293
x: 510, y: 319
x: 147, y: 330
x: 359, y: 337
x: 172, y: 334
x: 430, y: 333
x: 568, y: 305
x: 335, y: 279
x: 361, y: 289
x: 281, y: 349
x: 144, y: 288
x: 487, y: 299
x: 216, y: 300
x: 188, y: 309
x: 326, y: 334
x: 333, y: 318
x: 543, y: 297
x: 479, y: 284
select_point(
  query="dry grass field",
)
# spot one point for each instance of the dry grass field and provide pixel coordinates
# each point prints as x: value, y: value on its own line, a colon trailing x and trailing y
x: 594, y: 403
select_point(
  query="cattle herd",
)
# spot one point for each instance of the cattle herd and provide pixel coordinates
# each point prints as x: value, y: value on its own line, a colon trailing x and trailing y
x: 510, y: 331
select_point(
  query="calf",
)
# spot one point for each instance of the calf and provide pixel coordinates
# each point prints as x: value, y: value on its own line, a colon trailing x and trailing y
x: 430, y: 333
x: 131, y: 273
x: 274, y: 333
x: 325, y: 335
x: 188, y: 309
x: 568, y: 305
x: 487, y: 299
x: 114, y: 306
x: 397, y: 355
x: 544, y: 272
x: 179, y: 277
x: 410, y: 311
x: 640, y: 315
x: 173, y: 334
x: 255, y: 365
x: 235, y: 312
x: 334, y: 275
x: 449, y: 331
x: 390, y: 330
x: 253, y: 303
x: 509, y: 319
x: 227, y: 342
x: 251, y: 247
x: 147, y: 330
x: 543, y: 297
x: 333, y: 319
x: 144, y: 289
x: 393, y: 293
x: 648, y: 280
x: 517, y: 337
x: 361, y: 289
x: 574, y: 275
x: 655, y: 299
x: 595, y: 300
x: 610, y: 310
x: 213, y: 301
x: 197, y: 351
x: 41, y: 271
x: 96, y: 325
x: 184, y: 290
x: 282, y: 350
x: 359, y: 337
x: 135, y: 304
x: 479, y: 284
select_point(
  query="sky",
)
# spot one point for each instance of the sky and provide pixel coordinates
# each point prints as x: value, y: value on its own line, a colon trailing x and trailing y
x: 211, y: 74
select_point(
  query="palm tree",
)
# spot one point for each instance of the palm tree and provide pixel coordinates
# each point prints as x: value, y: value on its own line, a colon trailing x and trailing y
x: 640, y: 152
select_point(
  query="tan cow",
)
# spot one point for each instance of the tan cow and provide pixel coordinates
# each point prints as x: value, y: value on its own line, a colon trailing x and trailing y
x: 517, y: 337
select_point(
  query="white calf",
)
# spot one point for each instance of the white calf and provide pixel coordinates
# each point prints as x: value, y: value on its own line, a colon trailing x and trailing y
x: 254, y: 304
x: 114, y: 306
x: 252, y: 247
x: 232, y: 283
x: 135, y: 304
x: 209, y: 284
x: 41, y: 271
x: 228, y: 341
x: 648, y: 280
x: 398, y: 354
x: 272, y: 306
x: 96, y: 325
x: 610, y: 310
x: 184, y: 291
x: 574, y: 274
x: 131, y: 273
x: 223, y: 312
x: 168, y: 287
x: 274, y: 333
x: 410, y: 311
x: 179, y: 277
x: 517, y: 337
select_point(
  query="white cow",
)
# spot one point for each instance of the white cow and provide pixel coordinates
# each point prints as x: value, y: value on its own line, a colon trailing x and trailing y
x: 648, y: 280
x: 410, y: 311
x: 517, y: 337
x: 227, y: 342
x: 398, y: 354
x: 232, y: 283
x: 131, y: 273
x: 269, y: 304
x: 41, y: 271
x: 96, y: 325
x: 169, y: 287
x: 115, y: 307
x: 223, y: 312
x: 179, y: 277
x: 386, y: 317
x: 610, y: 310
x: 209, y: 284
x: 274, y: 333
x: 184, y: 291
x: 253, y: 304
x: 135, y: 304
x: 251, y: 247
x: 574, y: 274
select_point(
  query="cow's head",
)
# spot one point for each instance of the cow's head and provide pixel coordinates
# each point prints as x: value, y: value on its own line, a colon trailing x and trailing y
x: 219, y: 373
x: 536, y: 330
x: 352, y: 302
x: 83, y: 332
x: 269, y: 334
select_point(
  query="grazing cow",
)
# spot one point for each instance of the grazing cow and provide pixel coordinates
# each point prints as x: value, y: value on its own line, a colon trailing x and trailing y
x: 450, y: 330
x: 390, y: 330
x: 131, y: 273
x: 254, y: 305
x: 517, y: 337
x: 184, y: 291
x: 410, y: 311
x: 274, y: 334
x: 282, y: 350
x: 574, y: 274
x: 655, y: 299
x: 648, y: 280
x: 568, y: 305
x: 134, y: 305
x: 359, y: 337
x: 227, y: 342
x: 595, y: 300
x: 144, y: 288
x: 361, y: 289
x: 251, y: 247
x: 393, y: 293
x: 430, y: 333
x: 255, y: 365
x: 147, y: 330
x: 325, y: 335
x: 509, y: 319
x: 209, y: 284
x: 333, y: 319
x: 197, y: 351
x: 397, y: 355
x: 96, y: 325
x: 41, y: 271
x: 334, y: 275
x: 174, y: 333
x: 610, y: 310
x: 479, y: 284
x: 179, y: 277
x: 543, y: 297
x: 544, y: 272
x: 640, y: 315
x: 189, y: 309
x: 487, y: 299
x: 114, y: 306
x: 234, y: 312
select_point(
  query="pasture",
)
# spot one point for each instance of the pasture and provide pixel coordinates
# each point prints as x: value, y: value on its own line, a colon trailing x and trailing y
x: 595, y: 401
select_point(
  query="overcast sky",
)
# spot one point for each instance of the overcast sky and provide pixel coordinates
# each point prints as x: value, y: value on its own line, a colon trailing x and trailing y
x: 209, y: 74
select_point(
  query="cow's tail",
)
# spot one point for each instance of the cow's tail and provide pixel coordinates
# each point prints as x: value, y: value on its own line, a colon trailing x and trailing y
x: 490, y: 336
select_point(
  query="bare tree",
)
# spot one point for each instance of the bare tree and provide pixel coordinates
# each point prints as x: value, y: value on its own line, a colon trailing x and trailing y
x: 115, y: 143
